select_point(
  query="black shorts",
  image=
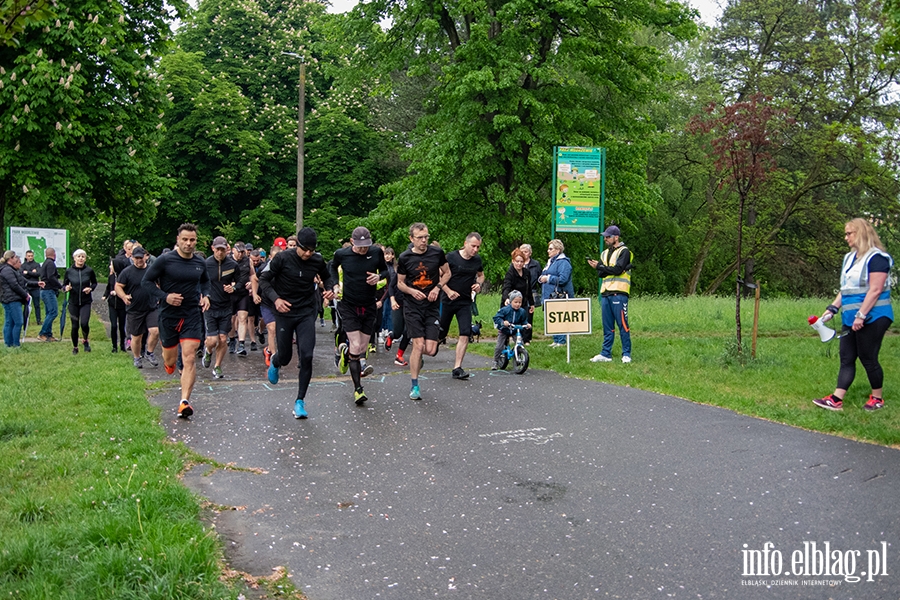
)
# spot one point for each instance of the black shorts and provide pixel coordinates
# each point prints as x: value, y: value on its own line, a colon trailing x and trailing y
x: 422, y: 320
x: 357, y: 318
x: 241, y: 302
x: 462, y: 308
x: 253, y: 309
x: 173, y: 330
x: 140, y: 322
x: 218, y: 322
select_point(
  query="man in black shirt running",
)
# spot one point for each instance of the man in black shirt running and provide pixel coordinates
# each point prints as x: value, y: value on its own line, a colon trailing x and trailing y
x: 223, y: 276
x: 466, y: 277
x: 183, y: 294
x: 141, y: 314
x: 363, y: 266
x: 421, y: 271
x: 289, y: 281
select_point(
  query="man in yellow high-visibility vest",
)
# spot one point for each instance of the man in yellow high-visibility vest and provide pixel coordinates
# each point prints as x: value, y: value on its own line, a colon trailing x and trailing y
x: 614, y: 268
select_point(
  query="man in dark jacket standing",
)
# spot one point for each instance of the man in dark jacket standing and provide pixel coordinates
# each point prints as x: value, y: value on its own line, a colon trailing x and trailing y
x: 50, y: 287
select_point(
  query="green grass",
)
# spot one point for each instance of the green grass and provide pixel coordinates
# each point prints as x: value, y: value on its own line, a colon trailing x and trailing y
x: 685, y: 347
x: 93, y: 504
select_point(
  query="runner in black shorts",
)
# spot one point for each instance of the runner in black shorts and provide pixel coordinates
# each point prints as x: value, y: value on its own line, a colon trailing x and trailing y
x: 289, y: 283
x: 266, y: 308
x: 179, y: 281
x: 363, y: 267
x: 421, y: 271
x: 141, y: 314
x: 466, y: 277
x: 223, y: 277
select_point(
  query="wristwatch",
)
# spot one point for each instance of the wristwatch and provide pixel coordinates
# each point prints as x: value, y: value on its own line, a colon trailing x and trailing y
x: 862, y: 316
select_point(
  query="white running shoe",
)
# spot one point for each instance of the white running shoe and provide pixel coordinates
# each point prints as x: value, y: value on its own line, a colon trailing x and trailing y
x: 626, y: 359
x: 601, y: 358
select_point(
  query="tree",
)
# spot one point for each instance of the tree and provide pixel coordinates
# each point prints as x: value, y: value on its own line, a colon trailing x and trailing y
x: 514, y: 79
x: 744, y: 135
x: 239, y: 175
x: 80, y: 110
x: 837, y: 160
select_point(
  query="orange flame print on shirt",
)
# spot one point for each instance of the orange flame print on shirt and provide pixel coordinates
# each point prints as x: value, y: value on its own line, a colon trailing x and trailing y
x: 422, y: 280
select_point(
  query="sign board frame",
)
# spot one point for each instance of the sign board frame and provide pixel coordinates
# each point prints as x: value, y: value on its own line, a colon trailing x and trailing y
x: 38, y: 239
x: 569, y: 308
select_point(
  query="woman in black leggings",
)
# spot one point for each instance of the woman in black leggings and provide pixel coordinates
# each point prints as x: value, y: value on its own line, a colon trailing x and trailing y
x: 80, y: 281
x: 865, y: 297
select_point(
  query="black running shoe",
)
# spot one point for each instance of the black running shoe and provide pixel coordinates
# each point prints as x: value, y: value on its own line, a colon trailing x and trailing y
x: 459, y: 373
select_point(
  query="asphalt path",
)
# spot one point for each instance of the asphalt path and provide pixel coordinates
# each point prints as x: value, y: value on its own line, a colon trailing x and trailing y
x: 530, y: 486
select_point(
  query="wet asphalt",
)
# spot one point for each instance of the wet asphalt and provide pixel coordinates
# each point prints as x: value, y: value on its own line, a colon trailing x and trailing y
x: 528, y: 486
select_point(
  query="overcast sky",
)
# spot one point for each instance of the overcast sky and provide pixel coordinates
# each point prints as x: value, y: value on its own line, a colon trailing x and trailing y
x: 709, y: 9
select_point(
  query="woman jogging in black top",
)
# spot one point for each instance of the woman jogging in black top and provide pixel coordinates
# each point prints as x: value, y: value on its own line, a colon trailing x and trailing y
x: 80, y: 281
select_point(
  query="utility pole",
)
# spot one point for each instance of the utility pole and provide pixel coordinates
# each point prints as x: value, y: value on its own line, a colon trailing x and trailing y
x: 301, y: 122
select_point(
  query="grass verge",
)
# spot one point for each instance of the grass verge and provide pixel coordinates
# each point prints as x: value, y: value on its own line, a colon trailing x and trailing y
x: 685, y: 347
x: 93, y: 505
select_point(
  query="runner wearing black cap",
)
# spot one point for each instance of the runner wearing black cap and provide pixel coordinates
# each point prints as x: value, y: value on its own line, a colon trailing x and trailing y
x: 363, y: 267
x: 289, y: 283
x: 141, y: 314
x: 223, y: 277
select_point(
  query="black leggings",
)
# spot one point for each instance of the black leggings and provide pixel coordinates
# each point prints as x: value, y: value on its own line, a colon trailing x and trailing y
x: 117, y: 325
x: 399, y: 329
x: 864, y: 345
x: 80, y: 317
x: 304, y: 329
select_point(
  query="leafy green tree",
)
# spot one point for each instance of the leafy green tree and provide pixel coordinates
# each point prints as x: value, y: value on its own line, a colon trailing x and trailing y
x: 239, y: 175
x: 80, y: 111
x: 819, y: 63
x: 514, y: 79
x: 16, y: 15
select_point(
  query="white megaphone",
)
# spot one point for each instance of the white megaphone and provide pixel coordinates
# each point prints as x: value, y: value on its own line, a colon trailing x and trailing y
x: 825, y: 334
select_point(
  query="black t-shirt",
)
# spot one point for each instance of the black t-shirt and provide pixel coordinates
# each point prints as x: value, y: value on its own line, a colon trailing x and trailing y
x: 177, y: 275
x: 355, y: 268
x: 422, y: 271
x: 289, y: 277
x: 879, y: 264
x: 463, y: 274
x: 141, y: 300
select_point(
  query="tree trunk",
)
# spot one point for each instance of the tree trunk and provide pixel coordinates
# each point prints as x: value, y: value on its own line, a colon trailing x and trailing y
x: 691, y: 288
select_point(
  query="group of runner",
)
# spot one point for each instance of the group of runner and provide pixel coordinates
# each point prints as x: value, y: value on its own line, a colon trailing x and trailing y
x: 196, y: 302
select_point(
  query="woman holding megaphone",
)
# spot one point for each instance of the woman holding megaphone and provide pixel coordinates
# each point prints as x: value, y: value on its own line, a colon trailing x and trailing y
x: 865, y: 297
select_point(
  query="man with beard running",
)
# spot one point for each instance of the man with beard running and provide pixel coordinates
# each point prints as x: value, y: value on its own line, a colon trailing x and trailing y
x: 179, y: 281
x: 289, y: 283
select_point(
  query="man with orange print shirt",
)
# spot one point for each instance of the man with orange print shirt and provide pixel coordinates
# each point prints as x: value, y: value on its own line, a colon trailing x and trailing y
x: 421, y: 272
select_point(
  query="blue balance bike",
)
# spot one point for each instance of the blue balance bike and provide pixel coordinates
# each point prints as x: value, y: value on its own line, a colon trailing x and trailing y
x: 517, y: 354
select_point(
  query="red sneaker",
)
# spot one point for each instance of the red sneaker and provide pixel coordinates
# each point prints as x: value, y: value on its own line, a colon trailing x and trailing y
x: 268, y: 356
x: 829, y: 403
x: 874, y: 403
x: 169, y: 369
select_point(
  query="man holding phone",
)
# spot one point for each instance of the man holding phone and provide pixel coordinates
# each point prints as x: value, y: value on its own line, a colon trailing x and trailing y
x: 614, y: 268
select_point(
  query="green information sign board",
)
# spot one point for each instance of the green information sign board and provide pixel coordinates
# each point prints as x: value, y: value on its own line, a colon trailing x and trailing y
x: 579, y: 182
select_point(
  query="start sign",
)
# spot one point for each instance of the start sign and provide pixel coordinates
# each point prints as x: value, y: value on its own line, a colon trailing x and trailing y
x: 567, y: 316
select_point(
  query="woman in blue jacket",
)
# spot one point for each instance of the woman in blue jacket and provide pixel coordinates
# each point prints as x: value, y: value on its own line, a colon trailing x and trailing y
x: 557, y: 280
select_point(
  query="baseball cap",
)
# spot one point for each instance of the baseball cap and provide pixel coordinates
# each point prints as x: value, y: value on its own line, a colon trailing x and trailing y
x: 138, y: 252
x: 611, y: 231
x: 280, y: 242
x: 361, y: 237
x: 220, y: 242
x: 307, y: 238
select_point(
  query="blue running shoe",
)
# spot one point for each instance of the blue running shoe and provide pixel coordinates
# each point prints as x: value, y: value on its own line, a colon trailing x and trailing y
x: 414, y: 393
x: 300, y: 410
x: 273, y: 373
